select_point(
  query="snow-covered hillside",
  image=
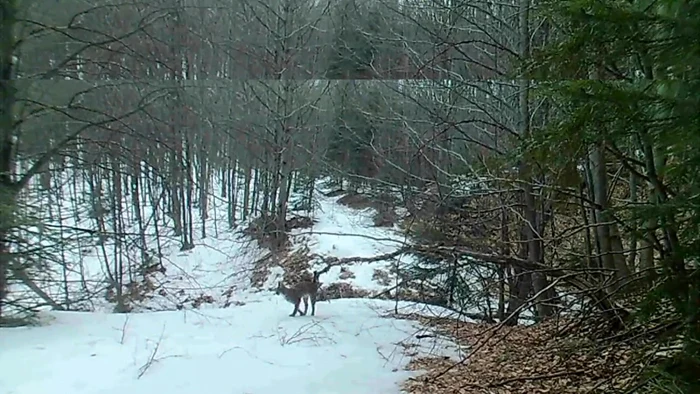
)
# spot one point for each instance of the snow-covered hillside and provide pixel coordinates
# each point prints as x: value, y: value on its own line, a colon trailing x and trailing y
x: 202, y: 326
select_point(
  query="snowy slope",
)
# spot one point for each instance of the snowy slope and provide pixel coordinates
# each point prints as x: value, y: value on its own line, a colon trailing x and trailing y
x: 343, y: 232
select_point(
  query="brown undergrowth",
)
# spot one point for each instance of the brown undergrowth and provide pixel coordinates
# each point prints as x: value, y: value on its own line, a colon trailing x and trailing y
x: 521, y: 360
x: 383, y: 206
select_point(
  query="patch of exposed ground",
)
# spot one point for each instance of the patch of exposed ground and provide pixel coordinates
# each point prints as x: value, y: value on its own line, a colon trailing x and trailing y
x: 345, y: 273
x: 294, y: 263
x: 264, y: 230
x: 356, y: 201
x: 297, y: 265
x: 383, y: 206
x: 261, y: 269
x: 341, y: 290
x: 520, y: 360
x: 385, y: 217
x: 141, y: 288
x: 382, y: 277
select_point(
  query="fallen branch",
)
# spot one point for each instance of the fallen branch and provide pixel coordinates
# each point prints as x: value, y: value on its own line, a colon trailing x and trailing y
x: 306, y: 333
x: 331, y: 261
x: 20, y: 274
x: 152, y: 357
x: 600, y: 297
x: 123, y: 337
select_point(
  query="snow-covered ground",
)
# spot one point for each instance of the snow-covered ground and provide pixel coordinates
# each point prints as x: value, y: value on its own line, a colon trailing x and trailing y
x: 240, y: 340
x: 347, y: 348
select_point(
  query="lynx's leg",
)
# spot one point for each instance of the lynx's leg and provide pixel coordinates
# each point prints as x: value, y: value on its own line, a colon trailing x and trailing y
x: 306, y: 305
x: 313, y: 304
x: 296, y: 308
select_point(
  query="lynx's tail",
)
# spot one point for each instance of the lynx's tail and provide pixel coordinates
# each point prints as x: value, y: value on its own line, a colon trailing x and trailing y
x: 317, y: 274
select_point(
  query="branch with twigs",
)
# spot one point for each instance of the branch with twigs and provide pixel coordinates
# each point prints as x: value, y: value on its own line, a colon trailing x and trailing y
x: 306, y: 333
x: 153, y: 358
x: 124, y: 326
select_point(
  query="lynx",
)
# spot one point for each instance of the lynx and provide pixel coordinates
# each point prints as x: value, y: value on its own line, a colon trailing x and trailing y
x: 306, y: 290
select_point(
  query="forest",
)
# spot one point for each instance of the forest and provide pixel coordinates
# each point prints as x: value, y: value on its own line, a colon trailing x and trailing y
x: 536, y: 154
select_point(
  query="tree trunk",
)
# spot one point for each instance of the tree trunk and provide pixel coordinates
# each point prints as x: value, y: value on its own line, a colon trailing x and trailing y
x: 505, y: 251
x: 175, y: 179
x: 632, y: 258
x: 136, y: 203
x: 233, y: 180
x: 247, y: 179
x: 8, y: 11
x: 203, y: 186
x: 117, y: 228
x: 612, y: 258
x: 188, y: 217
x: 530, y: 233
